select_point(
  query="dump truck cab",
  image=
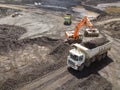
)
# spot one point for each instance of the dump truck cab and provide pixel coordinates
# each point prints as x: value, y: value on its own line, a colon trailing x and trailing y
x: 75, y: 58
x: 67, y: 19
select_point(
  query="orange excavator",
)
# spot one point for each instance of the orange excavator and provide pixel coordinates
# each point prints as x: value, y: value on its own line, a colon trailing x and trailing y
x: 75, y: 36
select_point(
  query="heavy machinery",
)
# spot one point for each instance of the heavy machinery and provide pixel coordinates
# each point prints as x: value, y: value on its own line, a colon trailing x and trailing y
x: 16, y: 14
x: 84, y: 54
x: 90, y: 31
x: 67, y: 19
x: 76, y: 36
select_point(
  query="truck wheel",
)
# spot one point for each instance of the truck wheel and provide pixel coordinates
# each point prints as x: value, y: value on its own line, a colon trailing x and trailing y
x: 104, y: 55
x: 70, y: 23
x: 93, y: 59
x: 85, y: 34
x: 99, y: 57
x: 81, y: 67
x: 97, y: 35
x: 87, y: 64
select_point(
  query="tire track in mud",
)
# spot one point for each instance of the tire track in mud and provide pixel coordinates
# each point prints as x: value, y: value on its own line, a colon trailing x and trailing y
x: 58, y: 83
x: 51, y: 76
x: 51, y: 81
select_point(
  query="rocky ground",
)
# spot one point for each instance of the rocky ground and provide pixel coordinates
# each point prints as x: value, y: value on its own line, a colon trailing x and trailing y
x: 33, y: 54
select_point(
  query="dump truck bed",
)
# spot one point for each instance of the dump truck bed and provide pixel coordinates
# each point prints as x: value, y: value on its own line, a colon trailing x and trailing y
x: 94, y: 47
x: 95, y: 43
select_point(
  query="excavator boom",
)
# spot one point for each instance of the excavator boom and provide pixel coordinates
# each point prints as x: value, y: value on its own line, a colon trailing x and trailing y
x: 88, y: 23
x: 80, y: 24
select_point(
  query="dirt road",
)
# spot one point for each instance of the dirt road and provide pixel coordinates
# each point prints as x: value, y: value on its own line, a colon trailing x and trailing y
x: 50, y: 76
x: 107, y: 21
x: 18, y: 7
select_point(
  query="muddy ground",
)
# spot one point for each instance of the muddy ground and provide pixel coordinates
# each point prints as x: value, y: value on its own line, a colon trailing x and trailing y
x: 39, y: 63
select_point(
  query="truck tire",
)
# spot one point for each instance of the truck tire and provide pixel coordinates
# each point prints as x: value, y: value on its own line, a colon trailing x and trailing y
x: 87, y: 63
x: 104, y: 55
x: 85, y: 34
x: 99, y: 57
x: 80, y: 68
x: 97, y: 35
x: 93, y: 59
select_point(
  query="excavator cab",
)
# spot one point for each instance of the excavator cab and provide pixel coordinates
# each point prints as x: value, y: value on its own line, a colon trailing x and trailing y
x: 71, y: 39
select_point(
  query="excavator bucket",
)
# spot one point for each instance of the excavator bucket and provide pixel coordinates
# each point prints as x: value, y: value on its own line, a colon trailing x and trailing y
x: 91, y: 32
x: 67, y: 34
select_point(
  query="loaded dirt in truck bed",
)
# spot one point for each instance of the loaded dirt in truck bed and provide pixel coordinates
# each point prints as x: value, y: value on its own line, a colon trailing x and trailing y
x: 95, y: 43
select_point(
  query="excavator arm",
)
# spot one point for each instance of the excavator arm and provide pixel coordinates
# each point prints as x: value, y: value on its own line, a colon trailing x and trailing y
x: 75, y: 34
x: 77, y: 28
x: 88, y: 23
x: 79, y: 25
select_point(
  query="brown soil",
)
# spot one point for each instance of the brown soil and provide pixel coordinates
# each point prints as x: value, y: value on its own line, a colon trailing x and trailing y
x: 90, y: 83
x: 10, y: 43
x: 9, y: 34
x: 93, y: 82
x: 95, y: 43
x: 114, y: 28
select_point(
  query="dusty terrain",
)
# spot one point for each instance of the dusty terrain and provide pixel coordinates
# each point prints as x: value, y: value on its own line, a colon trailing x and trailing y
x: 33, y: 52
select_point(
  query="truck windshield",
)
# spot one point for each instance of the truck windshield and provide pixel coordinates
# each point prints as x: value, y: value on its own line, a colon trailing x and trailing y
x: 81, y: 58
x: 74, y: 57
x: 67, y: 18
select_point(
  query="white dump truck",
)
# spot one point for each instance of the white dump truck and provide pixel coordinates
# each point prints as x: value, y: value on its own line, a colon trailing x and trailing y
x: 85, y: 53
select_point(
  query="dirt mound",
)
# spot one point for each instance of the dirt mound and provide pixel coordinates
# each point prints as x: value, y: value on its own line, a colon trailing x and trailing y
x: 9, y: 34
x: 95, y: 43
x: 34, y: 50
x: 93, y: 82
x: 61, y: 50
